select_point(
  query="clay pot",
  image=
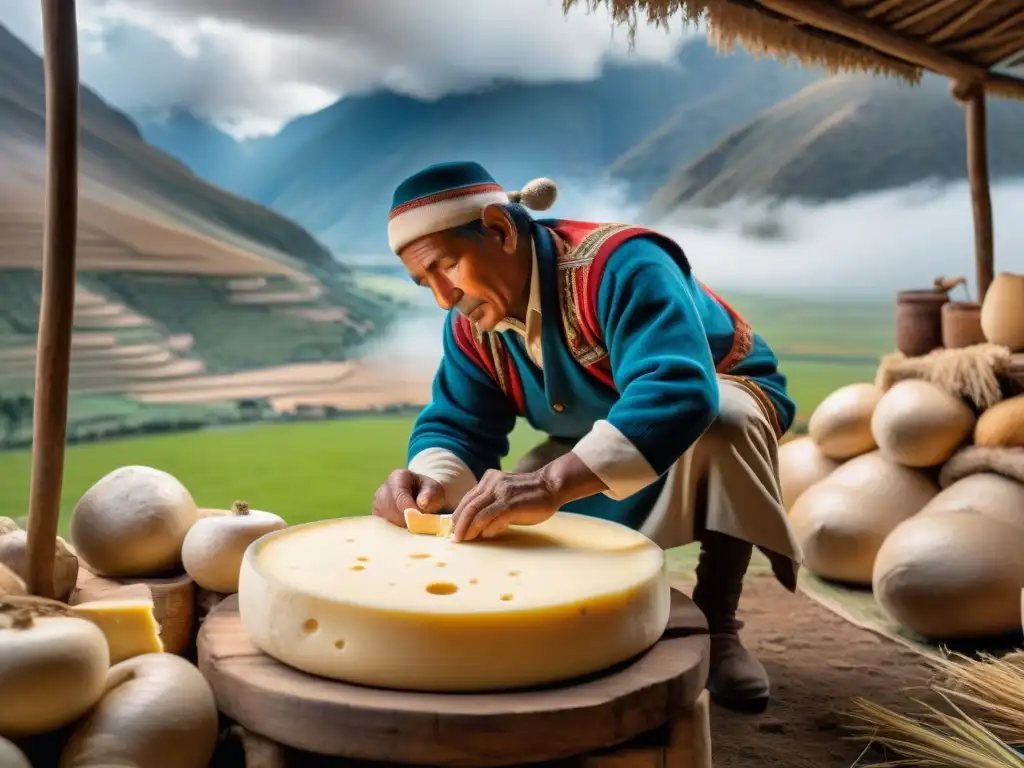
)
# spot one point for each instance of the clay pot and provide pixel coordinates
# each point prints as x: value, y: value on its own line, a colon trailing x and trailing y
x: 919, y: 321
x: 961, y: 324
x: 1002, y: 313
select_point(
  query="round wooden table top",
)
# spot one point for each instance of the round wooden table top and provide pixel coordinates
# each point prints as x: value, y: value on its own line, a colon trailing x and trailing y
x: 327, y: 717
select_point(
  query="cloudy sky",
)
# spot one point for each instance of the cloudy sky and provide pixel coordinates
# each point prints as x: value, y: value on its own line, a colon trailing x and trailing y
x: 250, y: 65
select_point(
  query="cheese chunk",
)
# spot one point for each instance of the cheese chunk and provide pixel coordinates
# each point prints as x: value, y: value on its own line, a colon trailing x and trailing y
x: 431, y: 525
x: 360, y: 600
x: 129, y: 626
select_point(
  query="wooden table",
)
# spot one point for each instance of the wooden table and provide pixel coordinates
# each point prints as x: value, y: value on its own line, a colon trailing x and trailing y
x: 650, y: 712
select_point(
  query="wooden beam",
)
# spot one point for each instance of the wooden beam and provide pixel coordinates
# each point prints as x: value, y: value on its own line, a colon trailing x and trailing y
x: 977, y: 173
x: 53, y: 349
x: 873, y: 34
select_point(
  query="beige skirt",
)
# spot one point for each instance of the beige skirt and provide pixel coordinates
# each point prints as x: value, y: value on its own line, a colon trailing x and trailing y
x: 728, y: 482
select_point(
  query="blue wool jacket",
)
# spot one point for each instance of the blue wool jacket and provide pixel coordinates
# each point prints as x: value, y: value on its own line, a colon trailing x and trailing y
x: 664, y: 335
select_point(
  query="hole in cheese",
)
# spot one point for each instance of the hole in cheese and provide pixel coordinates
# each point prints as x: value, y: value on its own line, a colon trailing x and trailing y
x: 418, y: 556
x: 339, y: 644
x: 513, y: 573
x: 358, y: 568
x: 441, y: 564
x: 442, y: 588
x: 363, y: 559
x: 506, y: 597
x: 309, y: 626
x: 351, y: 541
x: 474, y: 581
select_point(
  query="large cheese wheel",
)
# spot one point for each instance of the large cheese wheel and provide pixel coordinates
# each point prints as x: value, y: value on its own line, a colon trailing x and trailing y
x: 801, y: 465
x: 362, y: 600
x: 841, y: 424
x: 213, y: 548
x: 843, y: 520
x: 1002, y: 425
x: 132, y: 522
x: 986, y: 493
x: 52, y: 666
x: 919, y: 425
x: 952, y: 574
x: 157, y: 712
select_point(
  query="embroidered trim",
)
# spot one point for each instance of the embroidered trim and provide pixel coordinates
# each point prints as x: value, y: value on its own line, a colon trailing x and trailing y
x: 573, y: 279
x: 447, y: 194
x: 742, y: 335
x: 488, y: 352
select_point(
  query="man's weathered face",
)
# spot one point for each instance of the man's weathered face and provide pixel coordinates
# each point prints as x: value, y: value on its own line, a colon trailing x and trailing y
x: 480, y: 274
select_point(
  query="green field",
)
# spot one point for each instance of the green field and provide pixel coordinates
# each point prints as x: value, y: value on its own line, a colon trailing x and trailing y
x: 302, y: 471
x: 310, y: 470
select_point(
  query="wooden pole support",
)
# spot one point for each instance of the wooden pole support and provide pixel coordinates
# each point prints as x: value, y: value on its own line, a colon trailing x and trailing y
x: 56, y: 314
x: 981, y: 195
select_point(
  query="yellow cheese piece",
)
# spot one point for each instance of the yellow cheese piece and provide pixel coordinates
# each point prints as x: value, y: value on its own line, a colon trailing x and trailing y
x: 431, y: 525
x: 129, y: 626
x: 360, y: 600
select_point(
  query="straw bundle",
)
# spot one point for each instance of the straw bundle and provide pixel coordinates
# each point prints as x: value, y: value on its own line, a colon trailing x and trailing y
x: 972, y: 372
x: 993, y: 688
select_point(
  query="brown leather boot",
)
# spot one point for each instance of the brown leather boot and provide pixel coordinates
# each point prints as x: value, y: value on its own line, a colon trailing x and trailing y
x: 736, y: 679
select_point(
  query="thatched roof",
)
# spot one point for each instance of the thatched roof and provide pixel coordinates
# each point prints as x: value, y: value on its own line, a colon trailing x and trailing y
x: 963, y: 39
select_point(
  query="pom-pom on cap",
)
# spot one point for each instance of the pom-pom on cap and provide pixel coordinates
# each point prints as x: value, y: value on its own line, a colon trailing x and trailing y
x: 537, y: 195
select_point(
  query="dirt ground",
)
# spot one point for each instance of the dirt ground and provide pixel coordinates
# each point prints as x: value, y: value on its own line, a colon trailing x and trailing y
x: 818, y: 664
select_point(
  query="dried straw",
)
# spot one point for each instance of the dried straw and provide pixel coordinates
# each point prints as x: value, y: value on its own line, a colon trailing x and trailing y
x: 937, y: 739
x: 986, y: 32
x: 972, y: 372
x: 759, y: 31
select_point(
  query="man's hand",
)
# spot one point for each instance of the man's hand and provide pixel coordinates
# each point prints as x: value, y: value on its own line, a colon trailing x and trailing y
x: 502, y: 499
x: 404, y: 489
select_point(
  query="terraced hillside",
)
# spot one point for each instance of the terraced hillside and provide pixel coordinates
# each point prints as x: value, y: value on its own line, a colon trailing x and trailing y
x: 178, y: 279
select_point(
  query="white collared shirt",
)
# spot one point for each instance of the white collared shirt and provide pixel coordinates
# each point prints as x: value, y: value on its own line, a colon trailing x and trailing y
x: 530, y: 330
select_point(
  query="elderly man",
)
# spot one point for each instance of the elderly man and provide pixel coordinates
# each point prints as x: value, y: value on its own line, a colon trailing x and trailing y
x: 662, y: 407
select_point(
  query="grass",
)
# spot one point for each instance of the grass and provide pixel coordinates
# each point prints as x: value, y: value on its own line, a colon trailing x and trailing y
x: 302, y: 471
x: 809, y: 383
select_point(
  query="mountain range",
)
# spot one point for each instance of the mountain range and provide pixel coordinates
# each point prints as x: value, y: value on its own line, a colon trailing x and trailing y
x: 177, y: 278
x: 703, y: 130
x: 334, y: 171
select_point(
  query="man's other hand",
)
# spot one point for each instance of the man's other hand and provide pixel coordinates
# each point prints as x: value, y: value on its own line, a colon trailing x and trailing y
x: 404, y: 490
x: 502, y: 499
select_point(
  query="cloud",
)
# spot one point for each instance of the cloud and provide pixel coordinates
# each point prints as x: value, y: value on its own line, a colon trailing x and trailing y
x: 251, y: 65
x: 870, y: 246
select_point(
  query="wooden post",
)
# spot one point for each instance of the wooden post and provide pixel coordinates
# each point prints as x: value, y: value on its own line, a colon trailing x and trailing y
x: 56, y: 314
x: 972, y: 95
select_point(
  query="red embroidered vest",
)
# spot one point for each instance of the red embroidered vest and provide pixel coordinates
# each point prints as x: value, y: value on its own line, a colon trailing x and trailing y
x: 583, y: 250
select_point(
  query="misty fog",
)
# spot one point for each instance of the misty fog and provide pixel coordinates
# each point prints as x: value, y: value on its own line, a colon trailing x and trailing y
x: 873, y: 245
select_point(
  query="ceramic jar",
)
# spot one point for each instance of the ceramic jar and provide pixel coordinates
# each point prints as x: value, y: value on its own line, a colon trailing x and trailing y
x: 961, y: 324
x: 919, y: 321
x: 1002, y: 312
